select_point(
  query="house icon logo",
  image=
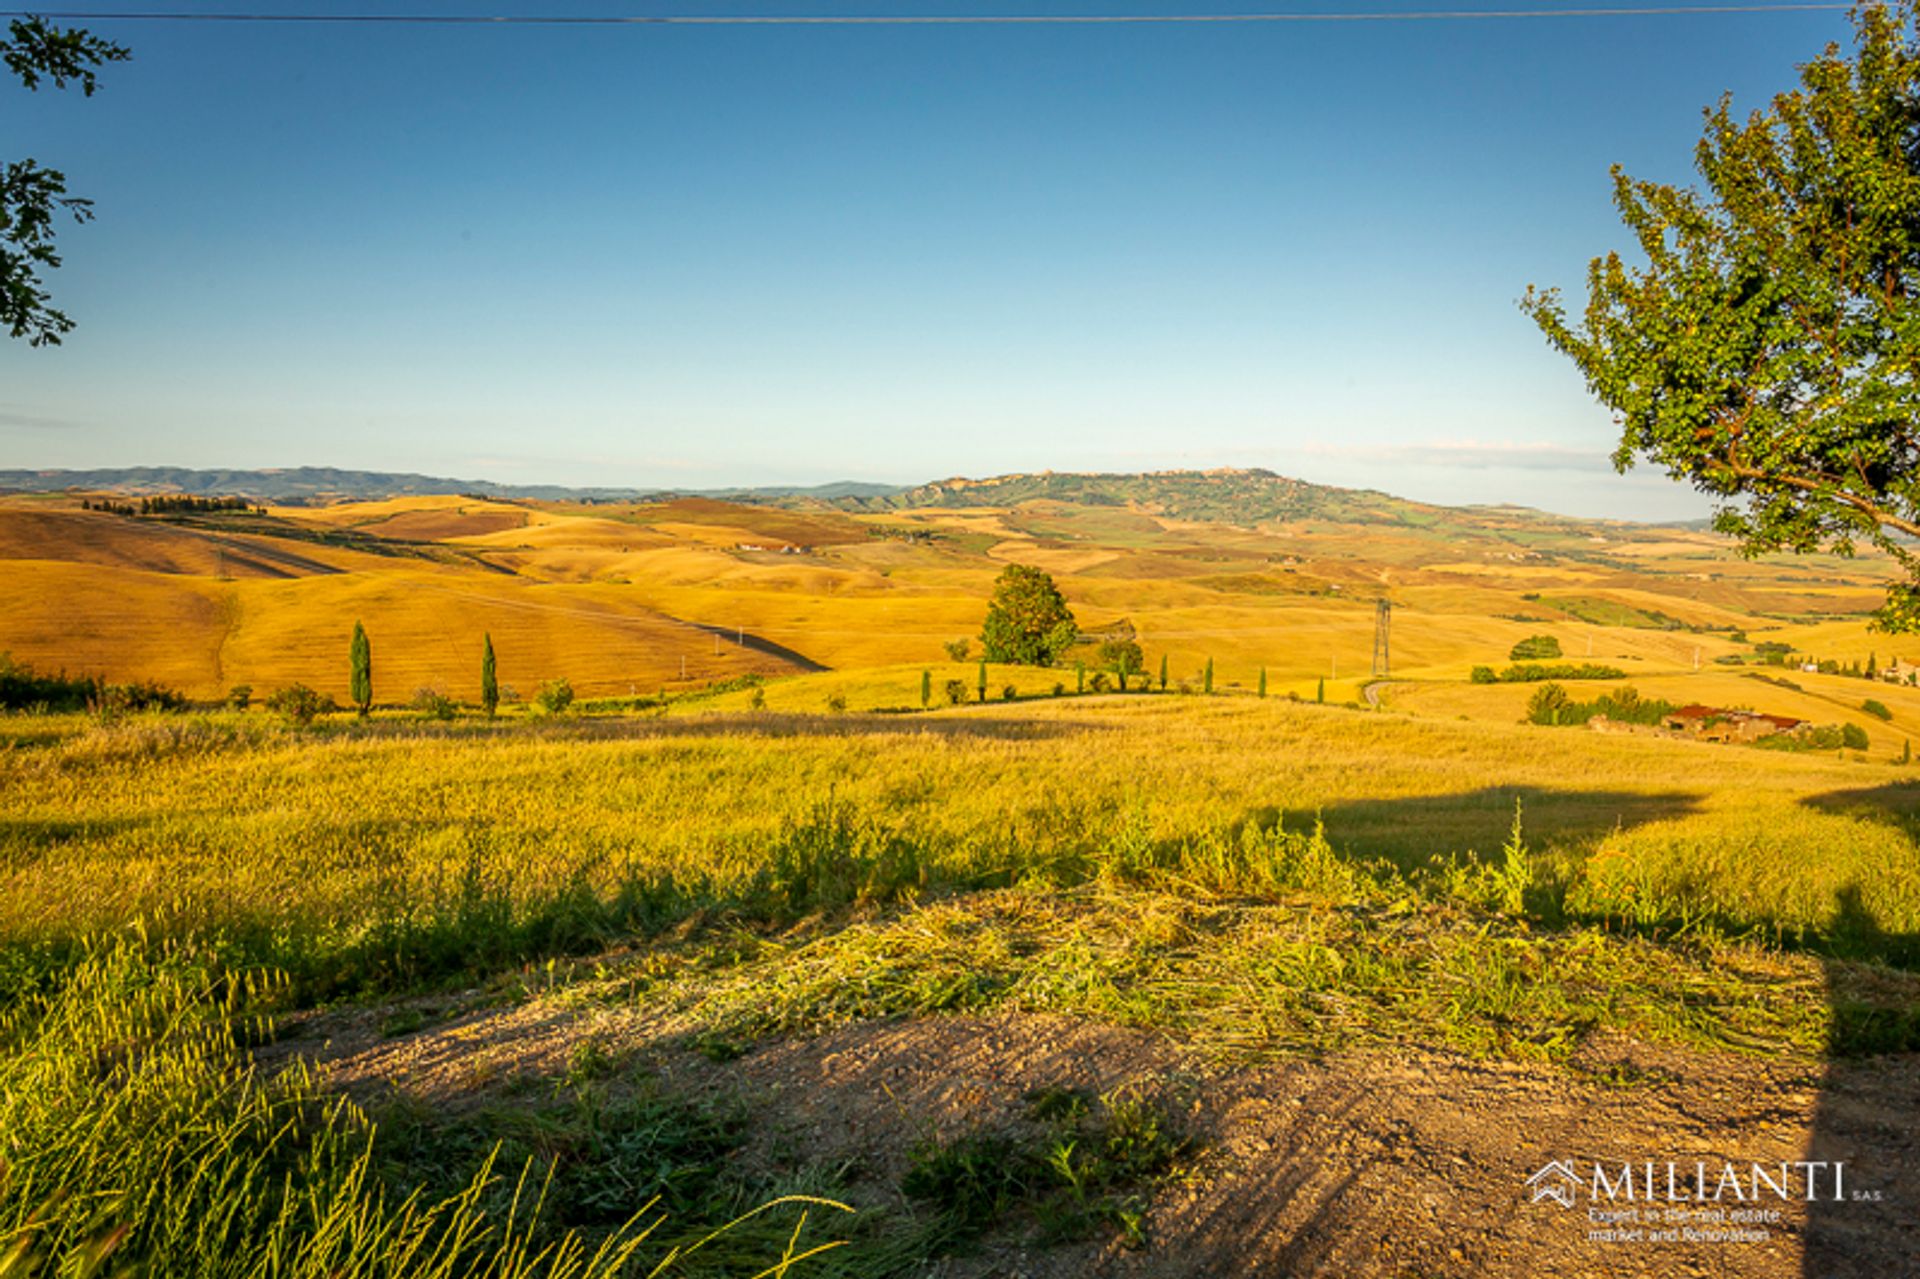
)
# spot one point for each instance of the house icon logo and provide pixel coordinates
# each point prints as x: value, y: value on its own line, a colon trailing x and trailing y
x: 1557, y: 1181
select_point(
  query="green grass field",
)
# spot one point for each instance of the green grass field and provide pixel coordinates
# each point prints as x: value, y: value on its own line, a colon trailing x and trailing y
x: 1257, y: 877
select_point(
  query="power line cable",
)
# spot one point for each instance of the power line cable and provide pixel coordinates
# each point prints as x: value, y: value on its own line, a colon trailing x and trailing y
x: 921, y: 20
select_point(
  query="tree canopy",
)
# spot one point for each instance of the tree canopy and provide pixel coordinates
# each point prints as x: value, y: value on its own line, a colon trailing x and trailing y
x: 1028, y: 621
x: 1769, y: 349
x: 33, y: 198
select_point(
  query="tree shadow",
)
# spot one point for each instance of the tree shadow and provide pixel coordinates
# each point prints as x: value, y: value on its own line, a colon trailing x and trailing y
x: 1894, y: 804
x: 1867, y: 1115
x: 1421, y: 827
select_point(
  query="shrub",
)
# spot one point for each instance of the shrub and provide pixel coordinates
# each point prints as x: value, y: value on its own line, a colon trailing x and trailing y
x: 115, y: 698
x: 1008, y: 693
x: 296, y: 703
x: 1876, y: 708
x: 1059, y: 689
x: 1098, y: 682
x: 554, y: 697
x: 758, y: 701
x: 433, y: 704
x: 837, y: 703
x: 1533, y: 672
x: 240, y: 696
x: 1546, y: 704
x: 22, y: 689
x: 1533, y: 648
x: 1122, y: 656
x: 1624, y: 706
x: 1853, y: 737
x: 956, y: 692
x: 957, y: 649
x: 1483, y: 675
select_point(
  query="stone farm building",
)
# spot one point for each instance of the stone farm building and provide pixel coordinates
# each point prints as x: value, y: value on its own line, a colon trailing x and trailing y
x: 1711, y: 724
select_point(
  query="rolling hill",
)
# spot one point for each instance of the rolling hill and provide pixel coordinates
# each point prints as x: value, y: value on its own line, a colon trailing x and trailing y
x: 1246, y: 569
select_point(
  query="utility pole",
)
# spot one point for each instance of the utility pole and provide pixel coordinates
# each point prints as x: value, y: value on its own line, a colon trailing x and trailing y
x: 1382, y: 624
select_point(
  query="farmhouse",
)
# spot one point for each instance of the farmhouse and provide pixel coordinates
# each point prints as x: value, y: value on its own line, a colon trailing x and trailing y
x: 1710, y: 723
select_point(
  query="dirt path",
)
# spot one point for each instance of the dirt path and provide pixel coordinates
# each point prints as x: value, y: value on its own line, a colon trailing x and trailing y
x: 1355, y: 1165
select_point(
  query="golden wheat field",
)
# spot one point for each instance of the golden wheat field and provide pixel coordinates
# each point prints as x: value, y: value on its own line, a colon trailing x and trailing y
x: 799, y: 945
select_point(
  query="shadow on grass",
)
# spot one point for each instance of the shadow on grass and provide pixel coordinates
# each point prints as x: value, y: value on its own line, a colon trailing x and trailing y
x: 736, y: 724
x: 1868, y: 1107
x: 1894, y: 804
x: 1418, y: 828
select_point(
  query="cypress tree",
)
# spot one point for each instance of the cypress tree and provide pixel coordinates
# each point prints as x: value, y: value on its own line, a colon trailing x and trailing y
x: 1320, y: 694
x: 360, y: 685
x: 1263, y: 681
x: 1163, y: 672
x: 983, y: 679
x: 1208, y: 683
x: 926, y: 689
x: 489, y: 686
x: 1079, y: 677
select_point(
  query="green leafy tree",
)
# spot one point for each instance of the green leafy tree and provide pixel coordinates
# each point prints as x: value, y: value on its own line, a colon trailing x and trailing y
x: 1766, y: 352
x: 1028, y: 622
x: 33, y: 198
x: 1123, y: 657
x: 297, y: 704
x: 1533, y: 648
x: 554, y: 697
x: 360, y: 682
x: 489, y: 683
x: 1547, y: 704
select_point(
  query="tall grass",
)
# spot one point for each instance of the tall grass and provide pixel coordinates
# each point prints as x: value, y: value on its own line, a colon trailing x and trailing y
x: 140, y: 1136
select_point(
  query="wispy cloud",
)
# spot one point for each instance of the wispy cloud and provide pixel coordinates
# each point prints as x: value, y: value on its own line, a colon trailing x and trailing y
x: 1470, y: 454
x: 10, y: 416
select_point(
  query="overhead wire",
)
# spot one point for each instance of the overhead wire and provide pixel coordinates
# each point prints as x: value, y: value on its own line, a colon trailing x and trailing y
x: 926, y: 20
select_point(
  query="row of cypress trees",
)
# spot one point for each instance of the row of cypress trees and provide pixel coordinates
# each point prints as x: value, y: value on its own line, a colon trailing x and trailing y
x: 360, y: 677
x: 1080, y: 674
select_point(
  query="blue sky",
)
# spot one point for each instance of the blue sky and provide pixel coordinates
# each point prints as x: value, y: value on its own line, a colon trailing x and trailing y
x: 701, y: 256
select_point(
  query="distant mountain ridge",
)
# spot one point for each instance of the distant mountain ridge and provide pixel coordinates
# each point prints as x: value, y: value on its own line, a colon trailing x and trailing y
x: 310, y: 483
x: 1245, y: 496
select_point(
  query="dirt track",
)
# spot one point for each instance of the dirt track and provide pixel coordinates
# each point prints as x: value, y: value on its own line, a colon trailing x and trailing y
x: 1374, y: 1164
